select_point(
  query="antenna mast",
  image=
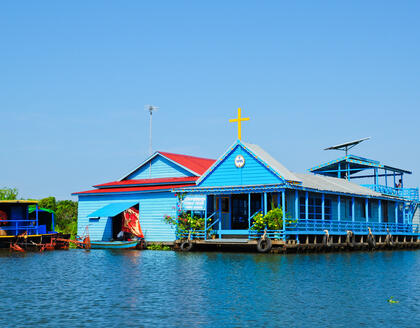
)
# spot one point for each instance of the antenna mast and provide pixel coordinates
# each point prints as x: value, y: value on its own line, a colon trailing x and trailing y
x: 151, y: 109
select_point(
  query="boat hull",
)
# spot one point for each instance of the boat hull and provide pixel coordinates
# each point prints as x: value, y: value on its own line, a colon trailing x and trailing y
x: 114, y: 244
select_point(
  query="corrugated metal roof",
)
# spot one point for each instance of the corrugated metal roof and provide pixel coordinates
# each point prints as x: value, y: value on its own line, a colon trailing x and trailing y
x: 324, y: 183
x: 266, y: 157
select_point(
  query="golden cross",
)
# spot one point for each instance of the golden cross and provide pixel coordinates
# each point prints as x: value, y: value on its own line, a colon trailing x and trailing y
x: 239, y: 120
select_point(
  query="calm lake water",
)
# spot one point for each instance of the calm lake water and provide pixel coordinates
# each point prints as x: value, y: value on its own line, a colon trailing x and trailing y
x: 102, y: 288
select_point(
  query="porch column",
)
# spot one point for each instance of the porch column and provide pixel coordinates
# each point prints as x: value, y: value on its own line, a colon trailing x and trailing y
x: 249, y: 210
x: 367, y: 209
x: 386, y: 178
x: 404, y: 215
x: 338, y: 208
x: 52, y: 223
x: 306, y: 205
x: 323, y: 207
x: 296, y: 204
x: 352, y: 210
x: 283, y: 205
x: 339, y: 170
x: 379, y: 211
x: 376, y: 176
x: 205, y: 218
x: 220, y: 217
x: 36, y: 215
x: 396, y: 212
x: 265, y: 203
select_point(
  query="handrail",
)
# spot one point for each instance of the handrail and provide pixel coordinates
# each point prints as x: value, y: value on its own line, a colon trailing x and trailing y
x: 208, y: 228
x: 315, y: 226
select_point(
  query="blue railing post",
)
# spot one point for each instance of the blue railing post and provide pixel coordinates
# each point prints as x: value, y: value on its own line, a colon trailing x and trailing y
x: 352, y: 210
x: 323, y: 207
x: 379, y: 211
x: 306, y: 205
x: 220, y: 217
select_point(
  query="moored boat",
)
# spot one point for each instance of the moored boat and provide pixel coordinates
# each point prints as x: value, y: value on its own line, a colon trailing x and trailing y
x: 114, y: 244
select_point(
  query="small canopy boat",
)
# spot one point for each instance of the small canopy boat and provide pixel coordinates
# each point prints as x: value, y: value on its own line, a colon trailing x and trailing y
x: 114, y: 244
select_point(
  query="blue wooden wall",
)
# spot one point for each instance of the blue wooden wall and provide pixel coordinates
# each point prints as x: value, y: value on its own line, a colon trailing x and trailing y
x: 153, y: 206
x: 160, y: 168
x: 252, y: 173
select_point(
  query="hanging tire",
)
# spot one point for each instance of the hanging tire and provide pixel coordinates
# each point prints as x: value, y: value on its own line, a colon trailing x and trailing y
x: 371, y: 241
x: 326, y: 240
x: 186, y: 246
x: 351, y: 239
x: 264, y: 245
x: 389, y: 241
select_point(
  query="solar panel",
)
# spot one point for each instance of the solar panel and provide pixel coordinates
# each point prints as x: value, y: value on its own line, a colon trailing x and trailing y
x: 347, y: 145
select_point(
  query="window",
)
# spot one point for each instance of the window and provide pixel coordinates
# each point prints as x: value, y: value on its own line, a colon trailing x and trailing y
x: 315, y: 208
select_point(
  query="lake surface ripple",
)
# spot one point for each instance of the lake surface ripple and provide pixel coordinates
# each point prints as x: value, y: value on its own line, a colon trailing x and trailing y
x: 101, y: 288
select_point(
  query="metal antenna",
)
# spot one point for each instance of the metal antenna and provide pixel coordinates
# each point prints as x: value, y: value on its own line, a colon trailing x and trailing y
x: 151, y: 109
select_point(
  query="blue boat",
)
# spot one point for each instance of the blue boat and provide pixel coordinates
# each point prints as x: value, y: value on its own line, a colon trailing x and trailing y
x: 114, y: 244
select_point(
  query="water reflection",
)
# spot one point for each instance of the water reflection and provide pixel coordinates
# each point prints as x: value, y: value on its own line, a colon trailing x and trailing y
x: 154, y: 288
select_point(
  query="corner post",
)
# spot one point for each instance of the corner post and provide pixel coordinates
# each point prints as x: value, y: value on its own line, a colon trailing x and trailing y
x: 296, y: 204
x: 379, y: 211
x: 306, y: 205
x: 352, y: 210
x: 323, y: 207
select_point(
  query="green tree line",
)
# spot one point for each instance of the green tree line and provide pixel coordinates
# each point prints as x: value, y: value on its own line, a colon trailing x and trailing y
x: 65, y: 210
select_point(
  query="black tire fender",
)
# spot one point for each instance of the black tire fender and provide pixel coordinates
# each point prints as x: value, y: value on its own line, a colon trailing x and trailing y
x: 264, y: 245
x: 186, y: 246
x: 371, y: 241
x: 326, y: 240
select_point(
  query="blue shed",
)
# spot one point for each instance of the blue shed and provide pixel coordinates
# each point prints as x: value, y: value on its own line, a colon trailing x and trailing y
x: 149, y: 188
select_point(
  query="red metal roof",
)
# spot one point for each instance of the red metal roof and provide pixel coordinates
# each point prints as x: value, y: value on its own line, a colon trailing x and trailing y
x: 198, y: 165
x: 156, y: 181
x: 133, y: 189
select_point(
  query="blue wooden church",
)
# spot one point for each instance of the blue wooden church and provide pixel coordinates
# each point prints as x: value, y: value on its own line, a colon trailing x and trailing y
x: 246, y: 181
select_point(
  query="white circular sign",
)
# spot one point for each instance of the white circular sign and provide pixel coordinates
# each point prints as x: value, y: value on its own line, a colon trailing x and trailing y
x: 239, y: 161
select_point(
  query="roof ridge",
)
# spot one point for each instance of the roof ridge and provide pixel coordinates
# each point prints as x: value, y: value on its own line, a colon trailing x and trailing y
x: 191, y: 156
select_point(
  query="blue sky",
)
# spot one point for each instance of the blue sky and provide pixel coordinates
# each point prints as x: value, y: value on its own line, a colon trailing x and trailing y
x: 75, y: 76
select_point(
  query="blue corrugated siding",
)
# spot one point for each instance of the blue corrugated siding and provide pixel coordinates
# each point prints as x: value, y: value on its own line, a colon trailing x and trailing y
x: 153, y: 206
x: 160, y: 168
x: 253, y: 172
